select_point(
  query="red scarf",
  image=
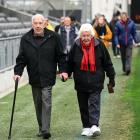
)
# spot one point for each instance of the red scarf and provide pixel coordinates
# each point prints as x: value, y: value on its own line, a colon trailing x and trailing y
x: 88, y: 60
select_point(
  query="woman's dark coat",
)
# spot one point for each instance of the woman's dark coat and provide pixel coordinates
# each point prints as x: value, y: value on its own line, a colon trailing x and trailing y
x: 90, y: 81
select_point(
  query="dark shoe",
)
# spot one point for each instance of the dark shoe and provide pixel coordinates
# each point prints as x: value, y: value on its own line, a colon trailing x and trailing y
x: 39, y: 134
x: 128, y: 72
x: 46, y: 135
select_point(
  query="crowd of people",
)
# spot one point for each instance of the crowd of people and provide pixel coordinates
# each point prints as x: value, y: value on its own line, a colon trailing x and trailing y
x: 118, y: 33
x: 77, y: 50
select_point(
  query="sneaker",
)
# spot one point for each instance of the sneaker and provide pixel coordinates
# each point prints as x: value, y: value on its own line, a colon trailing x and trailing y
x: 128, y: 72
x: 95, y: 131
x: 118, y: 56
x: 114, y: 56
x: 85, y: 132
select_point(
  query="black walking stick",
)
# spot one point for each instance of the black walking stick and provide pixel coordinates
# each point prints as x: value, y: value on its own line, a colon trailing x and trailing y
x: 10, y: 129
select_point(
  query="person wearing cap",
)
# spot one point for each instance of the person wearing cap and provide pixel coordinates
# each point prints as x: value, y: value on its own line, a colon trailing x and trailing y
x: 90, y: 61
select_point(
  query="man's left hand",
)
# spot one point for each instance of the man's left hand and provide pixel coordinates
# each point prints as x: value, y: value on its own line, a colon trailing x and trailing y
x: 112, y: 82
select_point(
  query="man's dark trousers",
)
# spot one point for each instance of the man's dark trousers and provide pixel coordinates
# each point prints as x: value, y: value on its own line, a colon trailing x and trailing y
x: 126, y: 57
x: 43, y: 103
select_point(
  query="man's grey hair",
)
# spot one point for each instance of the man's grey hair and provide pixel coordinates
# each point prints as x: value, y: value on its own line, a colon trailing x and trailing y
x: 86, y: 27
x: 38, y: 15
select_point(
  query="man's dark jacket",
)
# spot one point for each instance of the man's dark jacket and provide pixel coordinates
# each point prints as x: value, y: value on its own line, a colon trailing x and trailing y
x: 63, y: 35
x: 41, y: 61
x: 87, y: 81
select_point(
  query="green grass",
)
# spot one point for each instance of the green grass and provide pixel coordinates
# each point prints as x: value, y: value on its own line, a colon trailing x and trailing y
x: 132, y: 97
x: 64, y: 118
x: 116, y: 116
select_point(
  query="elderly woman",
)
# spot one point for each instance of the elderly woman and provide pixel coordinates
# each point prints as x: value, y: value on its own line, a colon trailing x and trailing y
x: 89, y: 60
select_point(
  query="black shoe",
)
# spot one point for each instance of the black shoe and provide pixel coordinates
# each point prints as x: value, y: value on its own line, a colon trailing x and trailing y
x: 46, y: 135
x: 128, y: 72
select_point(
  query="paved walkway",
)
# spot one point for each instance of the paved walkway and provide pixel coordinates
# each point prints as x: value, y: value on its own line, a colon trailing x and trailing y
x: 7, y: 82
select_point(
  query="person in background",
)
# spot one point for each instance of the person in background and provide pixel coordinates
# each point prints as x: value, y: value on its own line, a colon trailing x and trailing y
x: 40, y: 51
x: 2, y: 2
x: 102, y: 31
x: 94, y: 22
x: 48, y: 25
x: 125, y: 36
x: 115, y: 49
x: 90, y: 61
x: 61, y: 24
x: 68, y: 34
x: 75, y: 22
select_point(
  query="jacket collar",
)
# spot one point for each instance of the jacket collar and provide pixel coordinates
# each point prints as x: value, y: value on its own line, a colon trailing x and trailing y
x: 125, y: 23
x: 96, y: 42
x: 64, y: 29
x: 29, y: 36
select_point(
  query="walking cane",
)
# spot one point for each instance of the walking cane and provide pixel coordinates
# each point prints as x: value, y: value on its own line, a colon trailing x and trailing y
x: 10, y: 129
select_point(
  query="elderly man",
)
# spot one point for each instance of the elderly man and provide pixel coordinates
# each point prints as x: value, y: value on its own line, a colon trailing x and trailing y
x: 41, y: 50
x: 89, y: 60
x: 68, y: 33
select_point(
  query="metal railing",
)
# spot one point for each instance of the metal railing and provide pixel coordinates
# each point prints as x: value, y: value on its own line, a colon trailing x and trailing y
x: 55, y: 19
x: 9, y: 48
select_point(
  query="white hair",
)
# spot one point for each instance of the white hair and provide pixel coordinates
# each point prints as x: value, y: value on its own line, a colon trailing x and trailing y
x: 86, y: 27
x: 37, y: 15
